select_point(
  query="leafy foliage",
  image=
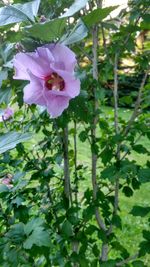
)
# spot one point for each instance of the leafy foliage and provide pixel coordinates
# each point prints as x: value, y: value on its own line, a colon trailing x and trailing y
x: 40, y: 224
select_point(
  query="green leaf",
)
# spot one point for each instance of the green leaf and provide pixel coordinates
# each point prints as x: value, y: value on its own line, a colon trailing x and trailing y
x: 3, y: 188
x: 106, y: 155
x: 16, y: 233
x: 39, y: 237
x: 18, y: 12
x: 109, y: 263
x: 74, y: 8
x: 140, y: 211
x: 78, y: 33
x: 144, y: 175
x: 144, y: 248
x: 67, y: 228
x: 138, y: 263
x: 31, y: 225
x: 146, y: 235
x: 140, y: 149
x: 11, y: 139
x: 5, y: 95
x: 117, y: 221
x: 97, y: 15
x: 47, y: 31
x: 145, y: 24
x: 127, y: 191
x: 3, y: 76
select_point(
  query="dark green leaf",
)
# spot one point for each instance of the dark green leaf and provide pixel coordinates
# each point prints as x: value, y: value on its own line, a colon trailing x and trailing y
x: 138, y: 263
x: 109, y: 263
x: 67, y: 228
x: 144, y: 248
x: 31, y: 225
x: 39, y: 237
x: 140, y: 211
x: 146, y: 235
x: 127, y: 191
x: 144, y: 175
x: 140, y: 149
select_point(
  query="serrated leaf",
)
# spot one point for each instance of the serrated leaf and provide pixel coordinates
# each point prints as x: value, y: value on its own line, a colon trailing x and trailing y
x: 74, y: 8
x: 18, y: 12
x: 97, y: 15
x: 16, y: 233
x: 31, y: 225
x: 47, y: 31
x: 39, y: 237
x: 78, y: 33
x: 11, y: 139
x: 140, y: 149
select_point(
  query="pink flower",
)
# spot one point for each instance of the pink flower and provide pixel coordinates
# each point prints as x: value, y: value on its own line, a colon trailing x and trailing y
x: 7, y: 181
x: 50, y: 70
x: 6, y: 114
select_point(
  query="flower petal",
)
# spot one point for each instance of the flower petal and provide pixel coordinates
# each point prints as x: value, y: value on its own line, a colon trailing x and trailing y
x: 24, y: 62
x: 65, y: 59
x: 33, y: 92
x: 56, y: 105
x: 72, y: 85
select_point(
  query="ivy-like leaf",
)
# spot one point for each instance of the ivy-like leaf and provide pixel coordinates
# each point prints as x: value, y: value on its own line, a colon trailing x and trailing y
x: 39, y: 237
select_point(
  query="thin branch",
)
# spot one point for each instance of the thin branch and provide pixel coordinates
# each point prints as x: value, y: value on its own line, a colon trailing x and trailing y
x: 116, y: 125
x: 75, y: 163
x: 67, y: 186
x: 122, y: 263
x: 85, y: 53
x: 126, y: 153
x: 93, y: 130
x: 116, y: 201
x: 137, y: 105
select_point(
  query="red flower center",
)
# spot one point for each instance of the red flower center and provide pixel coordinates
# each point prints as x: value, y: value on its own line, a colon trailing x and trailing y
x: 54, y: 82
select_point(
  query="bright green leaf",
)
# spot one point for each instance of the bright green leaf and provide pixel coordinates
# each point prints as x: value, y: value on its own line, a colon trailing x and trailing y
x: 47, y: 31
x: 97, y: 15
